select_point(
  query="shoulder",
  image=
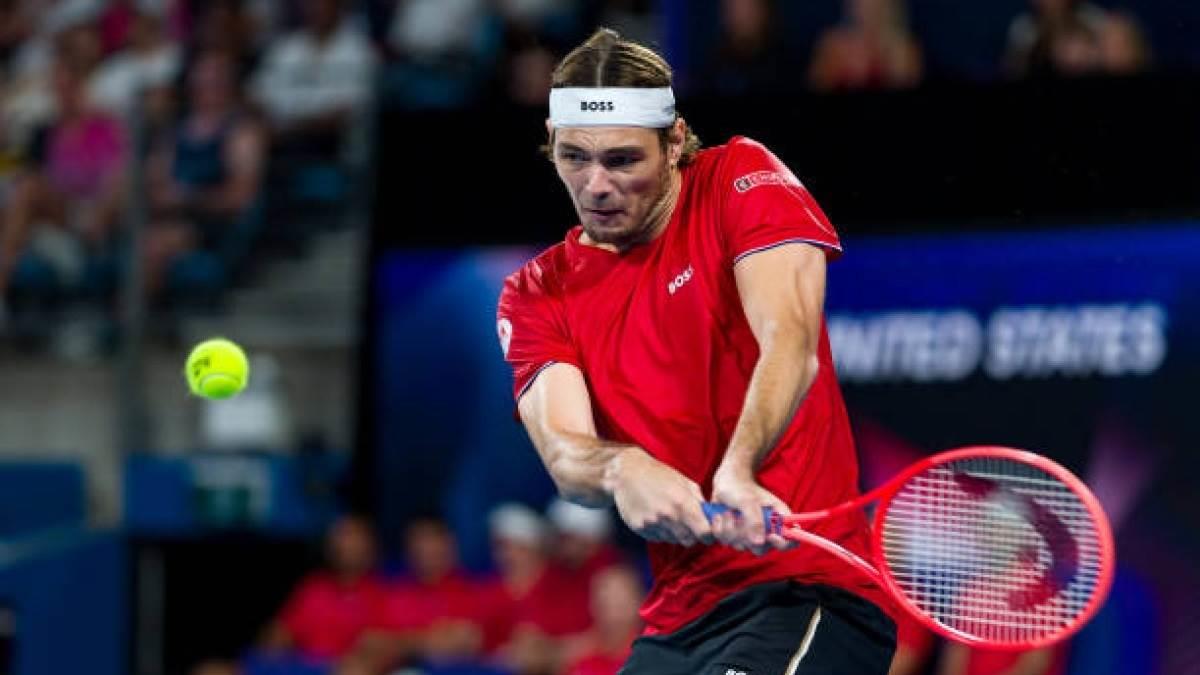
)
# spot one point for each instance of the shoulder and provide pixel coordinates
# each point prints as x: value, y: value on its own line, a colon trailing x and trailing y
x: 540, y: 278
x: 736, y: 151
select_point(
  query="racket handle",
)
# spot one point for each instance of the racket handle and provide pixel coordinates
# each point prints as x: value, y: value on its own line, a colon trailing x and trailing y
x: 770, y: 521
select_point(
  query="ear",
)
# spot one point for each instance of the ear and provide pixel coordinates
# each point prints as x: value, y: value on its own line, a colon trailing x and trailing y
x: 678, y: 136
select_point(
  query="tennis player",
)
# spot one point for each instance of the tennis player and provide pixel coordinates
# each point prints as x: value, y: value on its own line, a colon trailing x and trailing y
x: 671, y: 350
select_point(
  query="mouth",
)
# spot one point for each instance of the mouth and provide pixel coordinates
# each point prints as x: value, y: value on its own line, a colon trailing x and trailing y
x: 603, y: 215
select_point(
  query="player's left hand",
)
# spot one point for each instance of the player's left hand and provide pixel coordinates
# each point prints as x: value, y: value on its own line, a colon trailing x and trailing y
x: 747, y: 531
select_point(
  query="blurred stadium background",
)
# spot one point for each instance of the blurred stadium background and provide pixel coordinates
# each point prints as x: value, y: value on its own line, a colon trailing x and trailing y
x: 341, y: 186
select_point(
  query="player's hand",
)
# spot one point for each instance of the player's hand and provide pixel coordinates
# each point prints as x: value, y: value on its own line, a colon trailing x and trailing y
x: 657, y: 502
x: 746, y: 531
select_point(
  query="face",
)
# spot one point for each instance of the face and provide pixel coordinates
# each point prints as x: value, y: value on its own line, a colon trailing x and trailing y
x: 351, y: 547
x: 515, y: 557
x: 745, y: 18
x: 618, y: 179
x: 68, y: 90
x: 211, y: 82
x: 616, y: 596
x: 431, y: 549
x: 323, y: 15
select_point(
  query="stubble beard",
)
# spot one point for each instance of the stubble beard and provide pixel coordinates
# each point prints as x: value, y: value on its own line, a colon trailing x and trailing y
x: 648, y: 226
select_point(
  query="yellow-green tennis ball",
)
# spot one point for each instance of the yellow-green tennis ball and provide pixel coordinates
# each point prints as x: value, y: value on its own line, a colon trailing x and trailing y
x: 217, y: 368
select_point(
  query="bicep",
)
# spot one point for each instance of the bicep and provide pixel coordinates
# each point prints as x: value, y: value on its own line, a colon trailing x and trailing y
x: 556, y: 403
x: 783, y: 292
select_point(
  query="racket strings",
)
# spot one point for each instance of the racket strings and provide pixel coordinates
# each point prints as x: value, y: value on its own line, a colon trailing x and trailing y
x: 993, y: 548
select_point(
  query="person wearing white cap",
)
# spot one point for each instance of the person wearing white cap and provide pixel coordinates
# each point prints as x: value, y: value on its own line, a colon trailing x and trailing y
x: 584, y: 538
x: 536, y: 615
x: 672, y: 350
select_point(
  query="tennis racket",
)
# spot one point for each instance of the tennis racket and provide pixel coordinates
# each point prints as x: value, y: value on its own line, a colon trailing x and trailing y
x: 993, y: 547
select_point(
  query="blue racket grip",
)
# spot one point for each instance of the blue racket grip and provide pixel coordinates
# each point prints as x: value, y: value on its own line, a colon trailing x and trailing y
x: 713, y: 509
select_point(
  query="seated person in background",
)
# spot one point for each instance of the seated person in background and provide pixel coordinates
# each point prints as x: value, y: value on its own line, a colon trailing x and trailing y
x: 315, y: 82
x: 583, y: 538
x: 581, y: 546
x: 616, y: 596
x: 531, y: 613
x: 149, y: 61
x: 1073, y: 37
x: 750, y: 56
x: 68, y: 198
x: 430, y: 614
x: 329, y: 610
x: 959, y: 659
x: 872, y: 49
x: 206, y: 176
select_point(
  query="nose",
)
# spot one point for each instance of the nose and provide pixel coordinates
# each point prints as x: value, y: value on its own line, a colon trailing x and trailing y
x: 599, y: 184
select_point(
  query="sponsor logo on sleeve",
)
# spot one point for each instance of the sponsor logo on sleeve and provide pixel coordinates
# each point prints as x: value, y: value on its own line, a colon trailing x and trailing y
x: 504, y: 330
x: 759, y: 178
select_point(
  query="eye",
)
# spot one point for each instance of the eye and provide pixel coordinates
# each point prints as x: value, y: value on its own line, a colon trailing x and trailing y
x: 619, y: 161
x: 572, y: 156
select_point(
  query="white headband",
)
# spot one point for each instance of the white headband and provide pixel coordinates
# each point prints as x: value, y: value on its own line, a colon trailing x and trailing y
x: 653, y: 108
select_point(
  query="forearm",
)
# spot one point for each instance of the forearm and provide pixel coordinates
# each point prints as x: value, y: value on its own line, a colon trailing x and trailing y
x: 584, y: 467
x: 785, y: 370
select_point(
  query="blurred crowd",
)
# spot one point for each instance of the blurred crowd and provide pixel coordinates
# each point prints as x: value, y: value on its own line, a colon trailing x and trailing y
x: 231, y: 129
x: 197, y: 120
x: 562, y: 600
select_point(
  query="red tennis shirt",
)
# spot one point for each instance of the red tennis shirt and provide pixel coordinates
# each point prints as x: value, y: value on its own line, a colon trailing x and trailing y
x: 662, y: 340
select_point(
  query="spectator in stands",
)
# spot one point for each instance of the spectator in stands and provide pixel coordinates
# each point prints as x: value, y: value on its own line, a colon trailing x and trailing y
x: 328, y: 612
x: 442, y: 51
x: 204, y: 179
x: 149, y: 64
x: 228, y: 26
x: 60, y: 30
x: 316, y: 82
x: 15, y: 28
x: 67, y: 199
x: 750, y: 56
x: 1073, y: 37
x: 616, y: 595
x: 1123, y: 47
x: 525, y: 66
x: 530, y: 608
x: 583, y: 539
x: 432, y: 613
x: 958, y: 659
x: 873, y: 48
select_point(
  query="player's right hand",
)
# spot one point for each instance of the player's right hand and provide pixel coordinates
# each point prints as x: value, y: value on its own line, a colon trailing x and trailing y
x: 657, y: 502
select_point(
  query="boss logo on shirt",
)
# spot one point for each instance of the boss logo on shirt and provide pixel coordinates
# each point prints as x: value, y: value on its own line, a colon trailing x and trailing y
x: 759, y: 178
x: 679, y: 280
x: 596, y: 106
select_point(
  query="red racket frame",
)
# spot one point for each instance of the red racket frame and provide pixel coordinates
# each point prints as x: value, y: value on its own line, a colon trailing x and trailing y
x: 881, y: 574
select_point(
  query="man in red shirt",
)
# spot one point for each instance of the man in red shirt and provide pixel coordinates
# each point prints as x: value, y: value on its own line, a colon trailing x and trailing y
x: 672, y: 350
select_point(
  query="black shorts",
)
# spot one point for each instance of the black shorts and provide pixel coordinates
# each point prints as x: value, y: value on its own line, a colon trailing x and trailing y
x: 778, y: 628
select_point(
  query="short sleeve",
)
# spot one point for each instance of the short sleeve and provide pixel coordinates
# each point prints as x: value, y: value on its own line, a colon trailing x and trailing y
x: 531, y: 327
x: 765, y: 205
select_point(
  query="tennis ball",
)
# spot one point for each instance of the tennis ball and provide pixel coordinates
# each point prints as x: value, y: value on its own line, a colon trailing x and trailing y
x: 217, y: 368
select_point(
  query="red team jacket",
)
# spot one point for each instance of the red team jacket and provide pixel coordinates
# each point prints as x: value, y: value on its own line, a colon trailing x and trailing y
x: 661, y: 338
